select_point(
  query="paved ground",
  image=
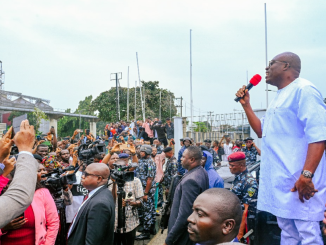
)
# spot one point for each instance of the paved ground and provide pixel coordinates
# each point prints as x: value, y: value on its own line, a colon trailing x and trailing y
x: 158, y: 239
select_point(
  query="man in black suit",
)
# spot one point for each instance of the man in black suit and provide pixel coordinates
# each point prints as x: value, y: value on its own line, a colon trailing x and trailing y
x: 192, y: 184
x: 94, y: 221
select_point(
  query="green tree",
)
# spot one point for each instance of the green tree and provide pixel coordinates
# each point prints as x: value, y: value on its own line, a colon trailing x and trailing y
x: 105, y: 103
x: 200, y: 127
x: 67, y: 125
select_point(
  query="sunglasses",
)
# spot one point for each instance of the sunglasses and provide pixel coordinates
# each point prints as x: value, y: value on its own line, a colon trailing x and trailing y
x: 88, y: 174
x: 272, y: 62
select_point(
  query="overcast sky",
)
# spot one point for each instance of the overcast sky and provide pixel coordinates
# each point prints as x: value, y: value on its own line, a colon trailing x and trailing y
x: 65, y: 50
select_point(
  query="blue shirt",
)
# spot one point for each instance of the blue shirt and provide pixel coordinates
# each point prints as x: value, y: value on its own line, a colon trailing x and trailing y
x: 295, y: 118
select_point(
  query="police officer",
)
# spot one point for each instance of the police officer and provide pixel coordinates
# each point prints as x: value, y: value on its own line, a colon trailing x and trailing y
x: 244, y: 185
x: 146, y: 174
x: 251, y: 150
x: 170, y: 168
x: 208, y: 144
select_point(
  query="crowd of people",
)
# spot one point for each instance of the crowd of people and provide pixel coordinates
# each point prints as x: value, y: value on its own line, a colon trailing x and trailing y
x: 115, y: 184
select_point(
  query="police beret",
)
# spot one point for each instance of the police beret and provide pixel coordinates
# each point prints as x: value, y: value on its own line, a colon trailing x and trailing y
x: 123, y: 155
x: 181, y: 139
x: 208, y: 141
x: 167, y: 149
x: 236, y: 156
x: 249, y: 138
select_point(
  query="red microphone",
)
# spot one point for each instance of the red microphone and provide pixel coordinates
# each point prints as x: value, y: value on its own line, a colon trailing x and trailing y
x: 253, y: 82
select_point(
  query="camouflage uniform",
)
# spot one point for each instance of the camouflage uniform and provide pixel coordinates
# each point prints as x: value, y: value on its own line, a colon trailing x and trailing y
x: 251, y: 155
x: 147, y: 169
x: 170, y: 171
x: 245, y: 187
x: 211, y: 150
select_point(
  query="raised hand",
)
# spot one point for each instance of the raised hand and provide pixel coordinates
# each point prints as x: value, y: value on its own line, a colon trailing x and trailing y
x: 9, y: 166
x: 24, y: 139
x: 5, y: 145
x: 243, y: 92
x: 116, y: 148
x: 132, y: 148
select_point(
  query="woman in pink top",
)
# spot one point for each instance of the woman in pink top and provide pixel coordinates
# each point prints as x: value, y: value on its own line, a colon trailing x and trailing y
x: 40, y: 223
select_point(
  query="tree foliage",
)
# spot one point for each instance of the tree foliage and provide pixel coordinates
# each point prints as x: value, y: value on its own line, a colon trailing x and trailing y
x: 104, y: 106
x: 105, y: 103
x: 67, y: 125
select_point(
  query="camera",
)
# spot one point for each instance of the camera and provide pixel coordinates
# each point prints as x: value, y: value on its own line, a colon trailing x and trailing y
x: 55, y: 182
x: 121, y: 176
x: 86, y: 152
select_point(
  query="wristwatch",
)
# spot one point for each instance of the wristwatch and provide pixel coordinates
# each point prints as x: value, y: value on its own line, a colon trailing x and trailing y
x: 307, y: 174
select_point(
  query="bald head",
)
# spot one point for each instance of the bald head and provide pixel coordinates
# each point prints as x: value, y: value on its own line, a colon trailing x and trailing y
x: 100, y: 169
x: 216, y: 217
x: 293, y: 60
x: 225, y: 202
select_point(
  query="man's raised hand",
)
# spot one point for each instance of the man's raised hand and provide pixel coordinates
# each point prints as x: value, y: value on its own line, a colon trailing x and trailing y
x: 24, y: 139
x: 5, y: 145
x: 244, y: 94
x: 9, y: 165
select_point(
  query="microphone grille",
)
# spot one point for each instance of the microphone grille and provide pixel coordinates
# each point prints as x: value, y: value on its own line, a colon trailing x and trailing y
x: 255, y: 79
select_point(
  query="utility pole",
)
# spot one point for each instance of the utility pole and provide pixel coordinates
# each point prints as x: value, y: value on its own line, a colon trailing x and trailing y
x: 170, y: 106
x: 160, y: 103
x: 266, y: 52
x: 128, y: 97
x: 210, y: 116
x: 191, y: 101
x: 135, y: 99
x: 1, y: 83
x: 116, y: 78
x: 180, y: 104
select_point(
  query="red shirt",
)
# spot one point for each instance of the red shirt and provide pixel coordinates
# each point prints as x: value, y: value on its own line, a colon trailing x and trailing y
x: 23, y: 235
x: 113, y: 131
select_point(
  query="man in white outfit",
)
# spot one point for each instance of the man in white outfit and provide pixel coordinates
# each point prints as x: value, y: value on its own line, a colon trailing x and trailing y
x: 293, y: 131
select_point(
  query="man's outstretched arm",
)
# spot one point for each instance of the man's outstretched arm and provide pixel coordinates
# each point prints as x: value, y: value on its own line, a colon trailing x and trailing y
x: 253, y: 120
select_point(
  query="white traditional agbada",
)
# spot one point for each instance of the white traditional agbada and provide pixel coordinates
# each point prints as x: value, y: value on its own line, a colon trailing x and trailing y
x: 295, y: 118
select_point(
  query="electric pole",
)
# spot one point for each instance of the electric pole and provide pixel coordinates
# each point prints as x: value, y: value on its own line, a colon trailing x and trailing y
x: 1, y: 83
x: 180, y: 104
x: 210, y: 116
x: 116, y: 78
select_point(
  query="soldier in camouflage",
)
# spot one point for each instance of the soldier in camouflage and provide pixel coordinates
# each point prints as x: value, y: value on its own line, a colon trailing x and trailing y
x: 146, y: 173
x: 251, y: 151
x: 170, y: 168
x: 244, y: 185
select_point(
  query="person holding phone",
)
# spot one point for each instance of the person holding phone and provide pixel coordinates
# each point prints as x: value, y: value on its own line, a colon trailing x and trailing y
x: 251, y: 151
x: 39, y: 223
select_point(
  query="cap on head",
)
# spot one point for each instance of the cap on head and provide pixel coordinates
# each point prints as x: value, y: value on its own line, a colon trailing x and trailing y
x: 167, y: 149
x: 123, y: 155
x: 207, y: 141
x: 236, y: 156
x: 147, y: 149
x: 186, y: 138
x: 249, y: 138
x: 181, y: 139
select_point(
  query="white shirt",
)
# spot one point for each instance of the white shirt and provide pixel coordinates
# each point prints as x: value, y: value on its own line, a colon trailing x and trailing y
x: 72, y: 209
x: 89, y: 196
x: 227, y: 151
x: 295, y: 118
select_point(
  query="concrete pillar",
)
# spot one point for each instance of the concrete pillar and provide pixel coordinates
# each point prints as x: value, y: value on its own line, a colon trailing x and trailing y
x: 178, y: 134
x: 92, y: 128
